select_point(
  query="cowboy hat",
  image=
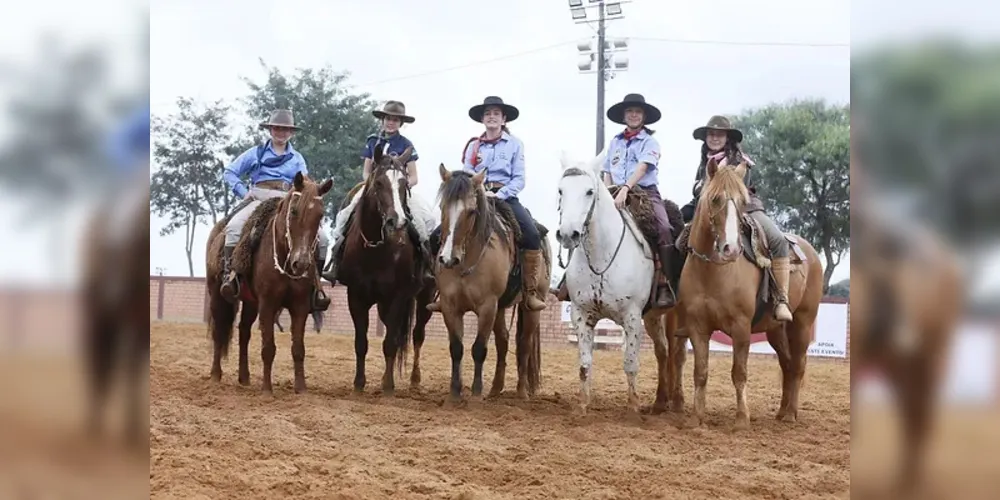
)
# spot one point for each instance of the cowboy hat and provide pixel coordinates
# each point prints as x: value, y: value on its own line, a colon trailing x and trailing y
x: 394, y: 108
x: 476, y: 112
x: 280, y: 118
x: 651, y: 114
x: 718, y: 122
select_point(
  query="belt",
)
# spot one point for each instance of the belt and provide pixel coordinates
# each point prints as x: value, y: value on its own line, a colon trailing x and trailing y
x: 274, y: 184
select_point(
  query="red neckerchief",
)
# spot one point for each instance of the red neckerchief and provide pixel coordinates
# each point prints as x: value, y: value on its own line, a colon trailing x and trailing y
x: 630, y: 134
x: 475, y: 147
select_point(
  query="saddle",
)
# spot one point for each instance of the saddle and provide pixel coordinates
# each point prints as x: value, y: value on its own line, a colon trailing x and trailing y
x: 250, y: 238
x: 756, y: 250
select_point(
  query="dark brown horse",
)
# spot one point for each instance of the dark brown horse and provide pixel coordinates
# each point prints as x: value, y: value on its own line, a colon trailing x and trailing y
x: 114, y: 316
x: 380, y: 266
x: 282, y: 275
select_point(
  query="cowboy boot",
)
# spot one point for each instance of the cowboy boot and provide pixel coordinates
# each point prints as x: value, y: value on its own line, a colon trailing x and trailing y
x: 230, y: 283
x: 428, y: 257
x: 780, y: 268
x: 321, y: 301
x: 561, y: 292
x: 529, y: 274
x: 330, y: 272
x: 665, y: 296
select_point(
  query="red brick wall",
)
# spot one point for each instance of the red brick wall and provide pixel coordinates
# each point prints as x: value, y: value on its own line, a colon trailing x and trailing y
x: 184, y: 300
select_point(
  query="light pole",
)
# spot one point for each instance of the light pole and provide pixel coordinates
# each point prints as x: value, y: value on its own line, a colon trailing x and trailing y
x: 606, y: 64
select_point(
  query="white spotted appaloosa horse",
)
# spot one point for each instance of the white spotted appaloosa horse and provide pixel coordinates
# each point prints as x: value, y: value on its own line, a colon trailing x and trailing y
x: 611, y: 277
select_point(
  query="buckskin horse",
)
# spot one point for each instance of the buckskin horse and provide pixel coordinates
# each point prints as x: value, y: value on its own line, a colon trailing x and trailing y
x: 276, y: 267
x: 380, y: 267
x: 479, y: 271
x: 721, y: 288
x: 612, y: 279
x: 113, y: 315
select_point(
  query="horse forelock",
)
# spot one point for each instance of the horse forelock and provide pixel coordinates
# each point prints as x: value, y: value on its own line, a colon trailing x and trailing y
x: 725, y: 184
x: 457, y: 189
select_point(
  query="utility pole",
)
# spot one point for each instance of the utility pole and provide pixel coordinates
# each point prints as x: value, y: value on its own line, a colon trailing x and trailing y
x: 601, y: 75
x: 595, y: 57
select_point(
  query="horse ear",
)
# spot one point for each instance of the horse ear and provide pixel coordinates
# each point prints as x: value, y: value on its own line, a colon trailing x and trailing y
x: 377, y: 153
x: 299, y: 181
x: 405, y: 157
x: 711, y: 168
x: 445, y: 174
x: 741, y: 169
x: 477, y: 180
x: 325, y: 187
x: 564, y: 159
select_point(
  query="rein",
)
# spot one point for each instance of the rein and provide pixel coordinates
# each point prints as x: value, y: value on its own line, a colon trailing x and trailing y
x: 713, y: 257
x: 280, y: 267
x: 586, y: 231
x: 378, y: 204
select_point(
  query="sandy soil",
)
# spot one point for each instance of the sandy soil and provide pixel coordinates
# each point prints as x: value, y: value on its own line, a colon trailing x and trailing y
x: 216, y: 441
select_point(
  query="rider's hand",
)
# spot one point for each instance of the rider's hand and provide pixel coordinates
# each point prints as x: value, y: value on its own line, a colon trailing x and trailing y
x: 620, y: 197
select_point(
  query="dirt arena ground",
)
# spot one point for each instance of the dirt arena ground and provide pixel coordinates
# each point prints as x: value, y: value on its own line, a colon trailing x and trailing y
x: 212, y: 441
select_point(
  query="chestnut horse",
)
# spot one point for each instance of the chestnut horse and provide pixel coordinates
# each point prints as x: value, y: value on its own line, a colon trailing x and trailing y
x: 719, y: 290
x: 283, y: 275
x: 478, y: 272
x: 380, y: 267
x: 113, y: 314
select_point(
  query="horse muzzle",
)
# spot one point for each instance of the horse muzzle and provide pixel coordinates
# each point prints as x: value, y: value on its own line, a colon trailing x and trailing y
x: 568, y: 240
x: 449, y: 262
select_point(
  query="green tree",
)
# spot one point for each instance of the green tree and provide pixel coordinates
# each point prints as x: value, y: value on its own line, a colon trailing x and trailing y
x: 334, y: 121
x: 802, y: 153
x: 930, y: 113
x: 187, y: 186
x: 841, y: 288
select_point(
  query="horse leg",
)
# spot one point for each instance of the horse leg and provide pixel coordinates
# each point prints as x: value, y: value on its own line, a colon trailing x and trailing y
x: 502, y: 340
x: 485, y: 317
x: 584, y: 328
x: 677, y: 348
x: 267, y: 346
x: 778, y: 338
x: 655, y: 329
x: 138, y: 368
x: 223, y: 314
x: 100, y: 348
x: 699, y: 337
x: 633, y: 339
x: 359, y: 315
x: 299, y: 313
x: 456, y: 330
x: 419, y: 333
x: 247, y: 316
x: 741, y: 355
x: 798, y: 340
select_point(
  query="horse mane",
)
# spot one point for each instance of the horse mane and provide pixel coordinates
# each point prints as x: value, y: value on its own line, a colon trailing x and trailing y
x: 460, y: 186
x: 725, y: 183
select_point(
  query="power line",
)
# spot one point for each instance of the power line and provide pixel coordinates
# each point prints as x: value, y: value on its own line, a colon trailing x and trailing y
x: 569, y: 42
x: 471, y: 64
x: 736, y: 42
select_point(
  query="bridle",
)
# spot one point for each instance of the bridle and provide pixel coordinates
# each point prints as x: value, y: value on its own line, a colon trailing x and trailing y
x: 573, y: 171
x: 486, y: 241
x: 713, y: 257
x: 280, y: 267
x: 381, y: 170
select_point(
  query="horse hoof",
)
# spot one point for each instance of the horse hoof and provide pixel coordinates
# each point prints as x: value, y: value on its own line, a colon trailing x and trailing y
x: 581, y: 410
x: 388, y: 392
x: 741, y: 424
x: 267, y: 394
x: 244, y: 381
x: 677, y: 406
x: 787, y: 417
x: 215, y: 377
x: 494, y: 393
x: 694, y: 422
x: 523, y: 394
x: 300, y: 389
x: 657, y: 409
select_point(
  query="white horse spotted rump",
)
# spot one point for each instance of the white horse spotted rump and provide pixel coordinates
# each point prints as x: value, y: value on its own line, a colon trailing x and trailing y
x: 601, y: 282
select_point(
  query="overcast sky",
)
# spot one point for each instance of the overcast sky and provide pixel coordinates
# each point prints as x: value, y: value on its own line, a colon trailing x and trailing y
x: 393, y: 49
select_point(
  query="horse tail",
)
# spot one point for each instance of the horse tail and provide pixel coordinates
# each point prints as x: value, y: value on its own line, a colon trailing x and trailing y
x: 529, y: 350
x: 221, y: 317
x: 403, y: 339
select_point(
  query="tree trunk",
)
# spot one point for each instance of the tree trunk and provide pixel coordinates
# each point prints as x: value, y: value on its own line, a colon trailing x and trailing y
x: 189, y: 243
x: 831, y: 264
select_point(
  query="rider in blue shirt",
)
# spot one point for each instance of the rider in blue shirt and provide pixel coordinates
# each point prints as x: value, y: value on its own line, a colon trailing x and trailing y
x: 271, y: 167
x: 501, y: 155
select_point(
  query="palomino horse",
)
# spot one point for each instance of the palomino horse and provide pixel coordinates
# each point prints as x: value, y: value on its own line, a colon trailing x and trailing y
x: 719, y: 290
x: 612, y: 279
x: 907, y: 295
x: 113, y: 311
x: 478, y: 272
x: 380, y: 267
x: 281, y: 274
